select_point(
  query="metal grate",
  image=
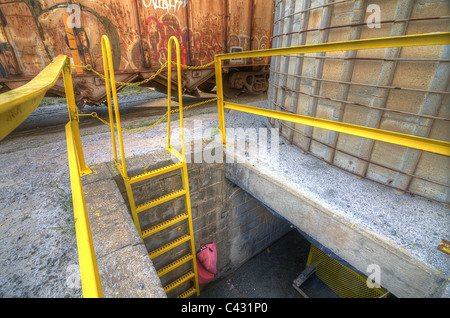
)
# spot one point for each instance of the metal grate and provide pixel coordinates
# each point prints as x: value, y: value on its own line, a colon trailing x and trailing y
x: 343, y: 281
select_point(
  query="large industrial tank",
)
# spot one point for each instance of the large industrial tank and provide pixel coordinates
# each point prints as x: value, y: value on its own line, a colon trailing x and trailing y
x: 404, y: 90
x: 34, y: 32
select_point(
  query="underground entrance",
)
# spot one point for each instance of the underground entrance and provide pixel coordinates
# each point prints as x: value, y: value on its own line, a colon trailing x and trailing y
x: 260, y: 253
x: 222, y: 213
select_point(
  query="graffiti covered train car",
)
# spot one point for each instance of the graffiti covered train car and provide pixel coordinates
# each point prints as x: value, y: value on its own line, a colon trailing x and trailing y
x: 34, y: 32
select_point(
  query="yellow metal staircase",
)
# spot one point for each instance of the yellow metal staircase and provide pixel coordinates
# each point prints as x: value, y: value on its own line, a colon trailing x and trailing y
x: 186, y: 216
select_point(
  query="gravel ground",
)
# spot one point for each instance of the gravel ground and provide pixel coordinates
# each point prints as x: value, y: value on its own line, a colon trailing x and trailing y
x: 38, y: 255
x: 270, y: 274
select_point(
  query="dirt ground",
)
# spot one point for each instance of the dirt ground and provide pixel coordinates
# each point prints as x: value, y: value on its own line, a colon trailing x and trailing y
x: 38, y: 252
x: 270, y: 274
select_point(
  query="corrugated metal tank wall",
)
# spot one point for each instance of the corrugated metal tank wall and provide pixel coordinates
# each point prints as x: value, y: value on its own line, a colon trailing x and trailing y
x: 398, y: 89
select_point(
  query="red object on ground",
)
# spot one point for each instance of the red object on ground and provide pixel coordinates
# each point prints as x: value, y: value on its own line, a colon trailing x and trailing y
x: 208, y: 257
x: 203, y: 275
x: 206, y: 263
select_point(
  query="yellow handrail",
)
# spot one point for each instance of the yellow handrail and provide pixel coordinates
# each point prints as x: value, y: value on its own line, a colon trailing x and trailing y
x: 431, y: 145
x: 90, y: 279
x: 15, y: 107
x: 377, y: 43
x: 174, y: 40
x: 111, y: 86
x: 181, y: 157
x: 17, y: 104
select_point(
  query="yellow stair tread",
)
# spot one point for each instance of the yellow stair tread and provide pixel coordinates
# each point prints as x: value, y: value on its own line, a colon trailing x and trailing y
x: 175, y: 264
x: 179, y: 281
x: 169, y: 246
x: 188, y: 293
x: 164, y: 225
x: 154, y: 173
x: 159, y: 200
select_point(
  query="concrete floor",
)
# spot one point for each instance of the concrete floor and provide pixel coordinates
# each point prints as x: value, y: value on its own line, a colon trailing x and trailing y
x: 270, y: 274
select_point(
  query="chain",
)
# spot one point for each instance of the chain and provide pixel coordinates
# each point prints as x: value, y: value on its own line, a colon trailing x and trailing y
x: 89, y: 68
x: 197, y: 67
x: 95, y: 115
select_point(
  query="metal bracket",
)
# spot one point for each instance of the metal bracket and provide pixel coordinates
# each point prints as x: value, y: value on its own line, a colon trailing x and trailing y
x: 307, y: 273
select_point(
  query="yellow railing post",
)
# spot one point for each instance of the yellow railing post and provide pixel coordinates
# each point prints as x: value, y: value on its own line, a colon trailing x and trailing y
x: 219, y: 88
x: 90, y: 279
x: 173, y: 40
x: 73, y: 116
x: 182, y: 158
x: 110, y: 83
x: 431, y: 145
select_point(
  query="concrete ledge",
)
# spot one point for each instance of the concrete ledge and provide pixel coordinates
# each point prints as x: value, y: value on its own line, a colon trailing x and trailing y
x: 401, y: 273
x: 124, y: 265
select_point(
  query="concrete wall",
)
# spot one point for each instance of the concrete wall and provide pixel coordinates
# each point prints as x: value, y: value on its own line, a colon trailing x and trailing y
x: 402, y: 273
x: 326, y: 85
x: 222, y: 213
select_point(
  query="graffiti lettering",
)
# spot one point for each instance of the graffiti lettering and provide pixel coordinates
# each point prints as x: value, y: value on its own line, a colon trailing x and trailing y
x: 197, y: 48
x: 174, y: 5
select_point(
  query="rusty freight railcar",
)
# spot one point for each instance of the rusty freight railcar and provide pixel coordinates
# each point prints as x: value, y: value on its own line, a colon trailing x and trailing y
x: 34, y: 32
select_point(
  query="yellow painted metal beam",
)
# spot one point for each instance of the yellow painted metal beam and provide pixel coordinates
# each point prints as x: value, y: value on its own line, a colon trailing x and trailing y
x: 90, y: 279
x: 74, y: 118
x: 18, y: 104
x: 393, y: 41
x: 435, y: 146
x: 431, y: 145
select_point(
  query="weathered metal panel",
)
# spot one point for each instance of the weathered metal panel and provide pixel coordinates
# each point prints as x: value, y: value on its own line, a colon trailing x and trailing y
x: 33, y: 32
x: 398, y: 89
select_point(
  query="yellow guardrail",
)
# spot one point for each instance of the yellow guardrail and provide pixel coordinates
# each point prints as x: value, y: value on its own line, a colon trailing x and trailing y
x: 90, y: 279
x: 15, y: 107
x: 421, y: 143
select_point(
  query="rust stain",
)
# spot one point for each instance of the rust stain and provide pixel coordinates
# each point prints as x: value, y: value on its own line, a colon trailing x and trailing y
x: 34, y: 32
